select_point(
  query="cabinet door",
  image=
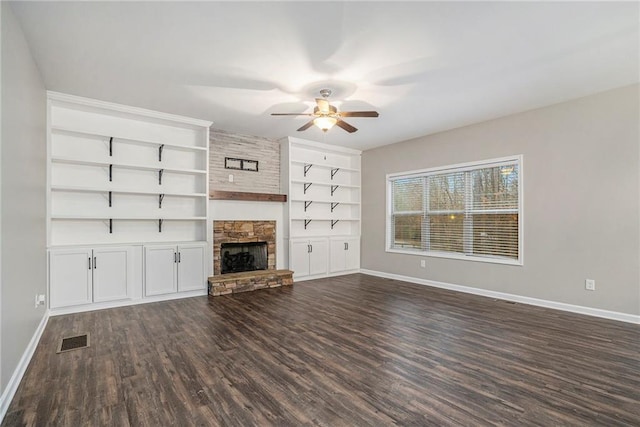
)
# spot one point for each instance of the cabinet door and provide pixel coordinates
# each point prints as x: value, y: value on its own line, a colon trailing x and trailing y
x: 299, y: 257
x: 319, y: 256
x: 337, y: 258
x: 111, y: 273
x: 160, y: 270
x: 352, y: 254
x: 191, y: 262
x: 70, y: 277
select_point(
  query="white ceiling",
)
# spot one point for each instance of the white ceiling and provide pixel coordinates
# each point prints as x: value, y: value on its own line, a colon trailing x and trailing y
x: 425, y: 66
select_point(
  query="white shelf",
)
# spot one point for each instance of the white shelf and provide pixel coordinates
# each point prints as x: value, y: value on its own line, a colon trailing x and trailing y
x: 327, y: 201
x: 123, y: 191
x: 159, y: 166
x: 325, y: 165
x: 129, y: 218
x: 325, y: 183
x: 146, y: 147
x: 122, y: 138
x: 324, y: 218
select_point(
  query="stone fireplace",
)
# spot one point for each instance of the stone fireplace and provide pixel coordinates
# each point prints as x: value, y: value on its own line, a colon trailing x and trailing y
x: 244, y: 258
x: 242, y: 241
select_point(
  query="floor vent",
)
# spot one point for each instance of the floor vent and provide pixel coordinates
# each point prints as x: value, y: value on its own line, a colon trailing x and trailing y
x: 73, y: 343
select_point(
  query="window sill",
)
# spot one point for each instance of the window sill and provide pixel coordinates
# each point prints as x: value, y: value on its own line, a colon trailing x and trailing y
x: 489, y: 260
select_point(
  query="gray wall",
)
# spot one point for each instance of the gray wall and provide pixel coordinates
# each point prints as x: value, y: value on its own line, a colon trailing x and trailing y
x: 266, y: 151
x: 581, y: 201
x: 22, y: 194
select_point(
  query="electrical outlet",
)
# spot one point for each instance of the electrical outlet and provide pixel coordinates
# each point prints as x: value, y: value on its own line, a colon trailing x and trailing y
x: 230, y: 177
x: 590, y: 284
x: 423, y: 263
x: 39, y: 300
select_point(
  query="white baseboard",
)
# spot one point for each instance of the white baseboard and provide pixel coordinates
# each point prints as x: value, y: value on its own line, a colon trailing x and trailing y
x: 324, y: 275
x: 23, y: 363
x: 124, y: 303
x: 589, y: 311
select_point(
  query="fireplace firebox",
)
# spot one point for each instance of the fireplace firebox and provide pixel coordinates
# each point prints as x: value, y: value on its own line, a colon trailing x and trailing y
x: 247, y: 256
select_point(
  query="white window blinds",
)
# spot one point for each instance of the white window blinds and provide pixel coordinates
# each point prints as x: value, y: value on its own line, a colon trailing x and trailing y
x: 470, y: 210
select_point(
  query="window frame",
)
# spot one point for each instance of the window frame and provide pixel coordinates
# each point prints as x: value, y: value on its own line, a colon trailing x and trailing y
x: 460, y: 167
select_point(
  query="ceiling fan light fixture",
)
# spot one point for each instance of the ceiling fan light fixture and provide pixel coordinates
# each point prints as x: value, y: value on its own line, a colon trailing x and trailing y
x: 325, y: 123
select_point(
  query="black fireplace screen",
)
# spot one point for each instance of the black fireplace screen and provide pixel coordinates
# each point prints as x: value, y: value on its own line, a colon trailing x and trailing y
x: 248, y: 256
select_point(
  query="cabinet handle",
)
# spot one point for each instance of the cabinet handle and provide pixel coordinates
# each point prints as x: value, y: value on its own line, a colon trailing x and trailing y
x: 175, y: 257
x: 346, y: 246
x: 89, y: 263
x: 310, y: 248
x: 95, y: 264
x: 179, y: 257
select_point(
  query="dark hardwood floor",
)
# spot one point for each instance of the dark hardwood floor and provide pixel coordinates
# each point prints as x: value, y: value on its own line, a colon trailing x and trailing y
x: 350, y: 351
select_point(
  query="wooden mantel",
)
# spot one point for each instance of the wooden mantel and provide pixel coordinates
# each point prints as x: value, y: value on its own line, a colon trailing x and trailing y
x: 240, y: 195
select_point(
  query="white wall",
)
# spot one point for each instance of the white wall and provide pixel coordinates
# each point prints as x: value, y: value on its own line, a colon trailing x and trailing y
x: 22, y: 194
x: 581, y: 201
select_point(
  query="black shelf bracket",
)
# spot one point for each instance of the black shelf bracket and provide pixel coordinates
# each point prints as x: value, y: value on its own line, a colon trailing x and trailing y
x: 110, y: 173
x: 111, y: 147
x: 333, y: 189
x: 109, y: 198
x: 307, y: 204
x: 306, y: 222
x: 160, y: 225
x: 334, y: 171
x: 160, y: 148
x: 160, y: 172
x: 306, y: 186
x: 160, y: 199
x: 306, y: 168
x: 110, y: 226
x: 333, y: 205
x: 334, y: 222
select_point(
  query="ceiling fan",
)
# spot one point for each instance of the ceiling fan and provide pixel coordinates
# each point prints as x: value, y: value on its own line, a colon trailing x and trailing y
x: 325, y: 115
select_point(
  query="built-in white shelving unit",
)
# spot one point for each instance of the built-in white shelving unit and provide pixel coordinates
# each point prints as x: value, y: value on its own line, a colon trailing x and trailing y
x: 322, y: 183
x: 120, y: 175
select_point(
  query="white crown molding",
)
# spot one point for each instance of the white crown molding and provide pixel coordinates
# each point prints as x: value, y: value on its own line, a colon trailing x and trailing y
x: 63, y: 97
x: 589, y: 311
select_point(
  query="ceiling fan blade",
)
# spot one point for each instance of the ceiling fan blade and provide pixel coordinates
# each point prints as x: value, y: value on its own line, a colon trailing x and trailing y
x: 291, y: 114
x: 346, y: 126
x: 306, y: 126
x: 359, y: 114
x: 323, y: 105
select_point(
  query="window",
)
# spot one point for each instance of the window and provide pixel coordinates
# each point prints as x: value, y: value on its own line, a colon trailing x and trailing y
x: 470, y: 211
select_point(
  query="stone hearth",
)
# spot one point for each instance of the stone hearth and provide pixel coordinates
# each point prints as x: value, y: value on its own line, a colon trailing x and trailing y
x: 234, y: 283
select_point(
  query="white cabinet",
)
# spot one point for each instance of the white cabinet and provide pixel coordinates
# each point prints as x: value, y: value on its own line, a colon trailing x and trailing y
x: 191, y: 267
x: 308, y: 257
x: 111, y: 273
x: 344, y: 254
x: 83, y: 275
x: 322, y: 183
x: 174, y: 268
x: 160, y: 268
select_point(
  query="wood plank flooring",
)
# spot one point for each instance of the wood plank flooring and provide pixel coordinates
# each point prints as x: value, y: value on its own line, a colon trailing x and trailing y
x: 350, y: 351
